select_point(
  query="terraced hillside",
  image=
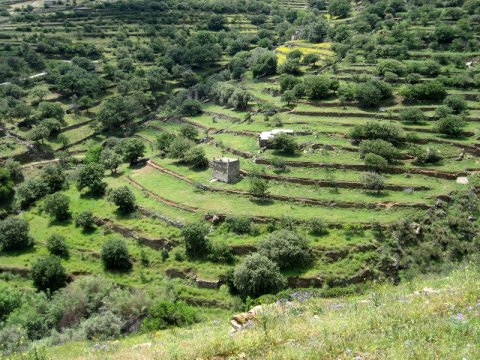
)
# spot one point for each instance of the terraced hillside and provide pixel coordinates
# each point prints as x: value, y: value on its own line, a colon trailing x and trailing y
x: 376, y: 175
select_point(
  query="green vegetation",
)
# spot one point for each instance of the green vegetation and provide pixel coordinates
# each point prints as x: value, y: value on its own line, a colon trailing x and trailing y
x: 112, y: 115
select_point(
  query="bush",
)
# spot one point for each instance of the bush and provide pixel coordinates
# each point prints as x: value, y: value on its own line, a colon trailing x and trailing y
x: 316, y: 87
x: 115, y: 255
x: 188, y: 131
x: 257, y: 275
x: 196, y: 157
x: 191, y: 107
x: 375, y: 162
x: 220, y: 252
x: 103, y: 326
x: 258, y: 187
x: 164, y: 140
x: 450, y: 125
x: 90, y: 176
x: 57, y: 206
x: 30, y: 191
x: 372, y: 92
x: 166, y: 314
x: 286, y: 249
x: 85, y: 220
x: 54, y: 176
x: 13, y: 339
x: 179, y: 146
x: 123, y: 198
x: 426, y: 156
x: 431, y: 91
x: 457, y: 103
x: 381, y: 148
x: 14, y: 234
x: 317, y: 227
x: 57, y: 245
x: 284, y: 143
x: 378, y: 130
x: 374, y: 181
x: 10, y: 299
x: 412, y: 115
x: 238, y: 225
x: 196, y: 241
x: 48, y: 274
x: 132, y: 149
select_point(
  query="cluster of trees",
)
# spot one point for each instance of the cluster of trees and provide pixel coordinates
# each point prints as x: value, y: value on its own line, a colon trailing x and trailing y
x: 182, y: 146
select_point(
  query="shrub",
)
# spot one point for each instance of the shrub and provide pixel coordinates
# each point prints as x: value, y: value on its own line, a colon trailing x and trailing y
x: 102, y: 326
x: 132, y: 149
x: 450, y: 125
x: 57, y: 206
x: 179, y: 146
x: 412, y: 115
x: 427, y: 156
x: 48, y: 274
x: 196, y: 241
x: 166, y: 314
x: 258, y: 187
x: 188, y: 131
x: 375, y: 162
x: 374, y: 181
x: 431, y: 91
x: 220, y: 252
x: 10, y: 299
x: 85, y: 220
x: 196, y: 157
x: 13, y: 339
x: 30, y: 191
x: 14, y: 234
x: 238, y: 225
x: 257, y: 275
x: 317, y: 227
x: 284, y: 143
x: 380, y: 147
x: 164, y: 140
x: 115, y: 255
x: 191, y: 107
x: 372, y: 92
x: 287, y: 82
x: 457, y: 103
x: 54, y: 176
x: 57, y: 245
x: 123, y: 198
x: 90, y: 176
x: 316, y: 87
x: 378, y: 130
x: 286, y: 249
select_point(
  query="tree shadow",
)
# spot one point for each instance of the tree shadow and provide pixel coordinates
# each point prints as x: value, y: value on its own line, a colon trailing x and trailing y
x: 262, y: 201
x: 63, y: 222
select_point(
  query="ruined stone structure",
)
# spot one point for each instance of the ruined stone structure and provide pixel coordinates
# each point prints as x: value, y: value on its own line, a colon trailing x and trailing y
x: 226, y: 170
x: 266, y: 136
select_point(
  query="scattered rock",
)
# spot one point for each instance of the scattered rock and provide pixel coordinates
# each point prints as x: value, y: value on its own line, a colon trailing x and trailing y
x: 462, y: 180
x: 142, y: 346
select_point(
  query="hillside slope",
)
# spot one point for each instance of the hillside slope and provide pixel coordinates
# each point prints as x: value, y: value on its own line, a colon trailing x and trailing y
x: 429, y: 318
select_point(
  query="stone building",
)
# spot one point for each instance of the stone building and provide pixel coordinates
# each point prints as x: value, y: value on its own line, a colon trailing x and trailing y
x: 226, y: 170
x: 266, y: 136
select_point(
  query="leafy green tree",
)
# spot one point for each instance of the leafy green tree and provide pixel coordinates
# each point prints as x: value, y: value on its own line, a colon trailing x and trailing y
x: 380, y: 147
x: 54, y: 176
x: 451, y: 125
x: 58, y: 206
x: 16, y: 171
x: 57, y: 245
x: 6, y: 186
x: 40, y: 93
x: 39, y: 133
x: 196, y: 157
x: 239, y: 99
x: 90, y: 176
x: 48, y: 274
x: 263, y: 63
x: 196, y: 240
x: 189, y: 131
x: 119, y: 111
x: 287, y: 249
x: 14, y: 234
x: 115, y: 255
x: 110, y: 160
x: 375, y: 162
x: 284, y: 143
x: 457, y: 103
x: 316, y: 31
x: 288, y: 97
x: 310, y: 59
x: 30, y: 191
x: 257, y: 275
x: 179, y: 146
x: 123, y: 198
x: 51, y: 110
x: 412, y: 115
x: 10, y: 300
x: 164, y: 140
x: 85, y: 220
x: 216, y: 22
x: 316, y: 87
x: 374, y: 181
x: 340, y: 8
x: 86, y: 102
x: 132, y: 149
x: 191, y: 107
x: 258, y: 187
